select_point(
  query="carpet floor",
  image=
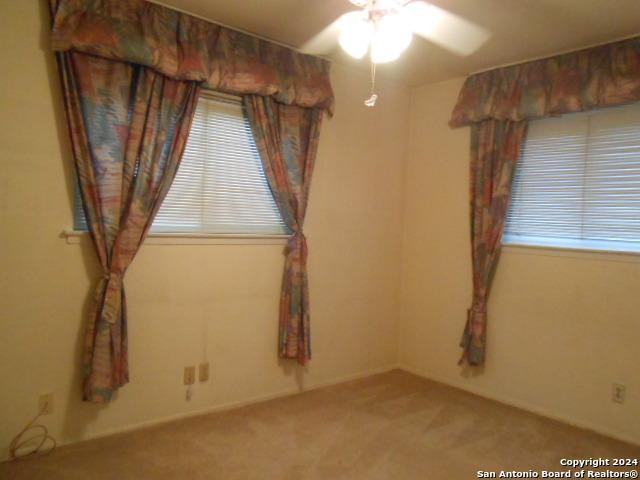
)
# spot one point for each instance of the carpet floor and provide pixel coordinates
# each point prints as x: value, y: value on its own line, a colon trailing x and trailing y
x: 389, y: 426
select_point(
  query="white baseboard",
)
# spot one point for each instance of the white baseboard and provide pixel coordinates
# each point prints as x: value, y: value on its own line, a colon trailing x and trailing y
x: 599, y: 429
x: 347, y: 378
x: 228, y: 406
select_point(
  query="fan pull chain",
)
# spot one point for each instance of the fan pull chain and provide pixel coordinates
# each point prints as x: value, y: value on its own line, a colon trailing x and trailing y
x: 371, y: 101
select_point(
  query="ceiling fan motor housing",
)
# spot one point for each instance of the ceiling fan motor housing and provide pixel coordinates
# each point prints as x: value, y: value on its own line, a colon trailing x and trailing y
x: 376, y: 9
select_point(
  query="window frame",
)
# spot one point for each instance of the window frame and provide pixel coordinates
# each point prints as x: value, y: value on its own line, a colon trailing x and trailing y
x: 74, y: 236
x: 557, y: 246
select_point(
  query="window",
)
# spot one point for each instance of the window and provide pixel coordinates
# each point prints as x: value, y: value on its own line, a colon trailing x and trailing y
x: 220, y: 186
x: 577, y: 182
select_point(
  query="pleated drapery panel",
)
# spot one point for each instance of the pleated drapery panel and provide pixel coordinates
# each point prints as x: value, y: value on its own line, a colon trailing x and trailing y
x: 287, y: 140
x: 495, y: 147
x: 128, y: 126
x: 131, y: 71
x: 497, y: 104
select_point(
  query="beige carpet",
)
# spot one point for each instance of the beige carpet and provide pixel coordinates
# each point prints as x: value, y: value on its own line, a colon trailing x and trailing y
x: 390, y: 426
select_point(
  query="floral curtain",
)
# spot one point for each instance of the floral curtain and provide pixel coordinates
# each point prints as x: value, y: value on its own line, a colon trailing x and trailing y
x: 287, y: 139
x: 128, y: 126
x: 574, y: 82
x: 498, y: 104
x: 131, y: 71
x: 187, y: 48
x: 495, y: 146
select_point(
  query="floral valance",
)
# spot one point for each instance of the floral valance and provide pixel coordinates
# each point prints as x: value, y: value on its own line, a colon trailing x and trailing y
x: 184, y: 47
x: 574, y: 82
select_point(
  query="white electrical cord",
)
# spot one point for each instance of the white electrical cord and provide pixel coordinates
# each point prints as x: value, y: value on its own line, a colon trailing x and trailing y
x: 42, y: 436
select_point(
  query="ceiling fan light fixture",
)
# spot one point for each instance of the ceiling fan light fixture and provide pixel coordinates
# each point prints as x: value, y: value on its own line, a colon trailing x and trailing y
x: 392, y: 36
x: 385, y: 28
x: 356, y: 35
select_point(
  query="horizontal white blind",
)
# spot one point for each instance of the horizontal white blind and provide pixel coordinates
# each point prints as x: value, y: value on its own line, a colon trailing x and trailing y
x: 577, y: 182
x: 220, y: 187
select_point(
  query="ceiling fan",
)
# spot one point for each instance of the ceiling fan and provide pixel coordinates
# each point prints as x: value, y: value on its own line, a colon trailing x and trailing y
x: 385, y: 28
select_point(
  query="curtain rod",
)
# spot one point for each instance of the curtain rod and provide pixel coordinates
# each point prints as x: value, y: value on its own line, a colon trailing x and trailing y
x: 290, y: 47
x: 563, y: 52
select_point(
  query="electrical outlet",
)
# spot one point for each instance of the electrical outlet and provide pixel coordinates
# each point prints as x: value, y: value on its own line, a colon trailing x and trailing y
x: 189, y: 375
x: 618, y: 392
x: 45, y: 403
x: 203, y: 372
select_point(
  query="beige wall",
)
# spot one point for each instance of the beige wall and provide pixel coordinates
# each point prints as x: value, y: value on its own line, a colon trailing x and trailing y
x: 187, y: 302
x: 562, y: 326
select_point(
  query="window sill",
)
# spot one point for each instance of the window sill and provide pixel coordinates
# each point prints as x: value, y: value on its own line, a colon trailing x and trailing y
x: 572, y: 252
x: 75, y: 237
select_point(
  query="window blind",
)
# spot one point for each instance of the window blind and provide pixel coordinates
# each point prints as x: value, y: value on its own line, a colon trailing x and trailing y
x: 220, y: 186
x: 577, y: 182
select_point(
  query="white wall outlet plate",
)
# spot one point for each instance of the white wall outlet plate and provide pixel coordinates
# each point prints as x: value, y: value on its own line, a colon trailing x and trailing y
x: 45, y: 403
x: 203, y: 372
x: 618, y: 392
x: 189, y: 375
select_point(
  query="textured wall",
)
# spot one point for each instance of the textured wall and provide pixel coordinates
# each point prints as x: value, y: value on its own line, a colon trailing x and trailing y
x: 562, y: 326
x: 187, y: 303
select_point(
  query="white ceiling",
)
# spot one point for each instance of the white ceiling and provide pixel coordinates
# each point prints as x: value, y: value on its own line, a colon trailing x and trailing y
x: 521, y: 29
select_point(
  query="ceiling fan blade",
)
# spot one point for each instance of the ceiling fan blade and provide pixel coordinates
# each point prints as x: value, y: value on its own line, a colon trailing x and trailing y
x: 327, y: 39
x: 444, y: 28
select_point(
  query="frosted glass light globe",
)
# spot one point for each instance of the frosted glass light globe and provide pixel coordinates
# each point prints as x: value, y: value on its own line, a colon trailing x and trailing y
x: 391, y: 37
x: 356, y: 35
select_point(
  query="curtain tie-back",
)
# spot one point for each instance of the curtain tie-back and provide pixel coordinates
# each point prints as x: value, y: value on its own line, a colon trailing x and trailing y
x: 474, y: 334
x: 112, y: 276
x: 297, y: 245
x: 112, y: 291
x: 477, y: 314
